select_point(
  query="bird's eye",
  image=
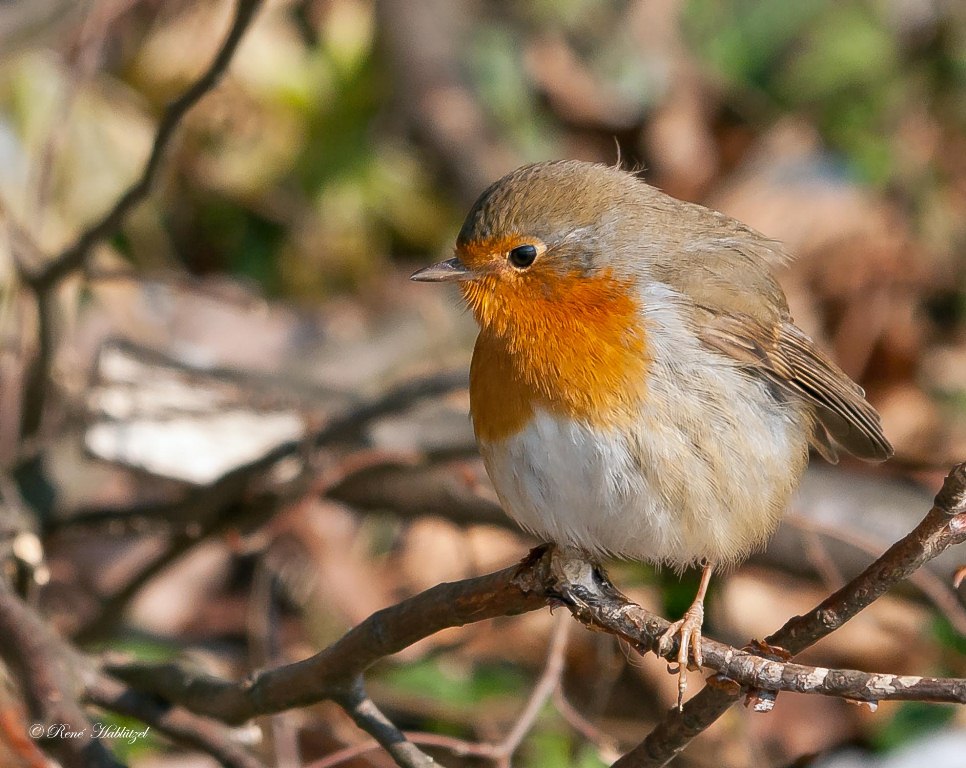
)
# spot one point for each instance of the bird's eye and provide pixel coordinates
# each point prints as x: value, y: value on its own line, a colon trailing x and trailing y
x: 523, y: 256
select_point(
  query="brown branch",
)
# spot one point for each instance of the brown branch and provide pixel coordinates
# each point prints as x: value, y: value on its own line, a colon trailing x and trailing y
x: 55, y: 678
x: 457, y: 746
x: 178, y: 724
x: 43, y: 279
x: 502, y: 751
x: 263, y: 649
x: 356, y: 702
x: 933, y: 587
x: 74, y: 255
x: 37, y: 377
x: 349, y: 425
x: 549, y: 574
x: 219, y: 508
x: 942, y: 527
x: 49, y: 684
x: 607, y: 748
x: 598, y: 605
x: 333, y: 672
x: 541, y: 693
x: 449, y: 488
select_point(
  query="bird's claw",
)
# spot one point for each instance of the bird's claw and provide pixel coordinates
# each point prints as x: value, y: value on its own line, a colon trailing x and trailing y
x: 688, y: 631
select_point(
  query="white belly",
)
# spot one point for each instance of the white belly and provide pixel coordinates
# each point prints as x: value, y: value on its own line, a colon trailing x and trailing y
x: 704, y: 472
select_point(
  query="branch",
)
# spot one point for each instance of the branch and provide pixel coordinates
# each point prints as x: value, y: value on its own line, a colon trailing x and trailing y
x: 42, y: 275
x: 55, y: 678
x: 549, y: 574
x: 943, y: 526
x: 549, y: 681
x: 349, y: 425
x: 333, y: 672
x: 597, y: 604
x: 74, y: 255
x: 177, y: 723
x: 933, y: 587
x: 31, y: 650
x: 502, y: 751
x: 369, y: 718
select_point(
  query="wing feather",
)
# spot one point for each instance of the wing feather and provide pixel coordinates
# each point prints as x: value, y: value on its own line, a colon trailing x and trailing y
x: 789, y: 358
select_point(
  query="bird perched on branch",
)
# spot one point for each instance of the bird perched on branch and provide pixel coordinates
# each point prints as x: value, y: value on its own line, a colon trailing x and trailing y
x: 638, y: 388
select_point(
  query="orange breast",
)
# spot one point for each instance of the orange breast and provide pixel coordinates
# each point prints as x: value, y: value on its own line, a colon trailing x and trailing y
x: 570, y: 344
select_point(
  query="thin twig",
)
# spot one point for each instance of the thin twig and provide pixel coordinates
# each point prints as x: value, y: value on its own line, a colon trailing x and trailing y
x: 369, y: 718
x: 549, y: 680
x: 44, y: 277
x: 926, y: 581
x: 263, y: 622
x: 818, y: 555
x: 606, y: 745
x: 347, y: 426
x: 459, y: 747
x: 73, y: 256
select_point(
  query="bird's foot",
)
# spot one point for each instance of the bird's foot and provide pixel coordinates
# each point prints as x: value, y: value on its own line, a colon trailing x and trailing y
x: 687, y: 630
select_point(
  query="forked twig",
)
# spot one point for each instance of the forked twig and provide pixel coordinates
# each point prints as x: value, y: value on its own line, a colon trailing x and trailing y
x: 43, y: 277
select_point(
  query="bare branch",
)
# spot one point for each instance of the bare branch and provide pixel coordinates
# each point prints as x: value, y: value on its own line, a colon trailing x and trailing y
x: 55, y: 678
x: 37, y: 378
x: 332, y: 672
x: 597, y: 604
x: 49, y: 684
x: 74, y: 255
x: 181, y: 726
x: 542, y: 691
x: 607, y: 747
x: 369, y: 718
x: 42, y: 278
x: 458, y: 747
x: 501, y: 752
x: 932, y: 586
x: 942, y: 527
x: 548, y: 574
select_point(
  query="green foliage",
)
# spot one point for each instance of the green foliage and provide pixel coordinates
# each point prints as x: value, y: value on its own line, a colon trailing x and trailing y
x: 127, y: 748
x: 844, y: 65
x: 552, y: 747
x: 679, y: 592
x: 457, y: 685
x: 500, y: 73
x: 947, y: 635
x: 912, y: 720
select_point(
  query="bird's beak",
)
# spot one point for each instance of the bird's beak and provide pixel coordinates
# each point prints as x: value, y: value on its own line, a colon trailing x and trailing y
x: 449, y: 271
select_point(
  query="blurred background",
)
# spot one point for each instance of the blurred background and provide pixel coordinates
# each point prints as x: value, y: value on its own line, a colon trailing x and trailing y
x: 262, y: 291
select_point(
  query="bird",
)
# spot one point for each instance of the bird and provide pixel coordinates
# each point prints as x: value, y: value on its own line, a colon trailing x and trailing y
x: 638, y: 388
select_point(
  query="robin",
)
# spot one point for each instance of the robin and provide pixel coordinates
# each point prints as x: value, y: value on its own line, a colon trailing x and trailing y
x: 638, y: 388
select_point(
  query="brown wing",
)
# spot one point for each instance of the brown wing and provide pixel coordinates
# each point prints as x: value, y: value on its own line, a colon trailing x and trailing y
x: 792, y: 361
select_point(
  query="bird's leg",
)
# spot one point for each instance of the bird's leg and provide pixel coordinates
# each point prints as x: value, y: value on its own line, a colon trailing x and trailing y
x: 688, y: 631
